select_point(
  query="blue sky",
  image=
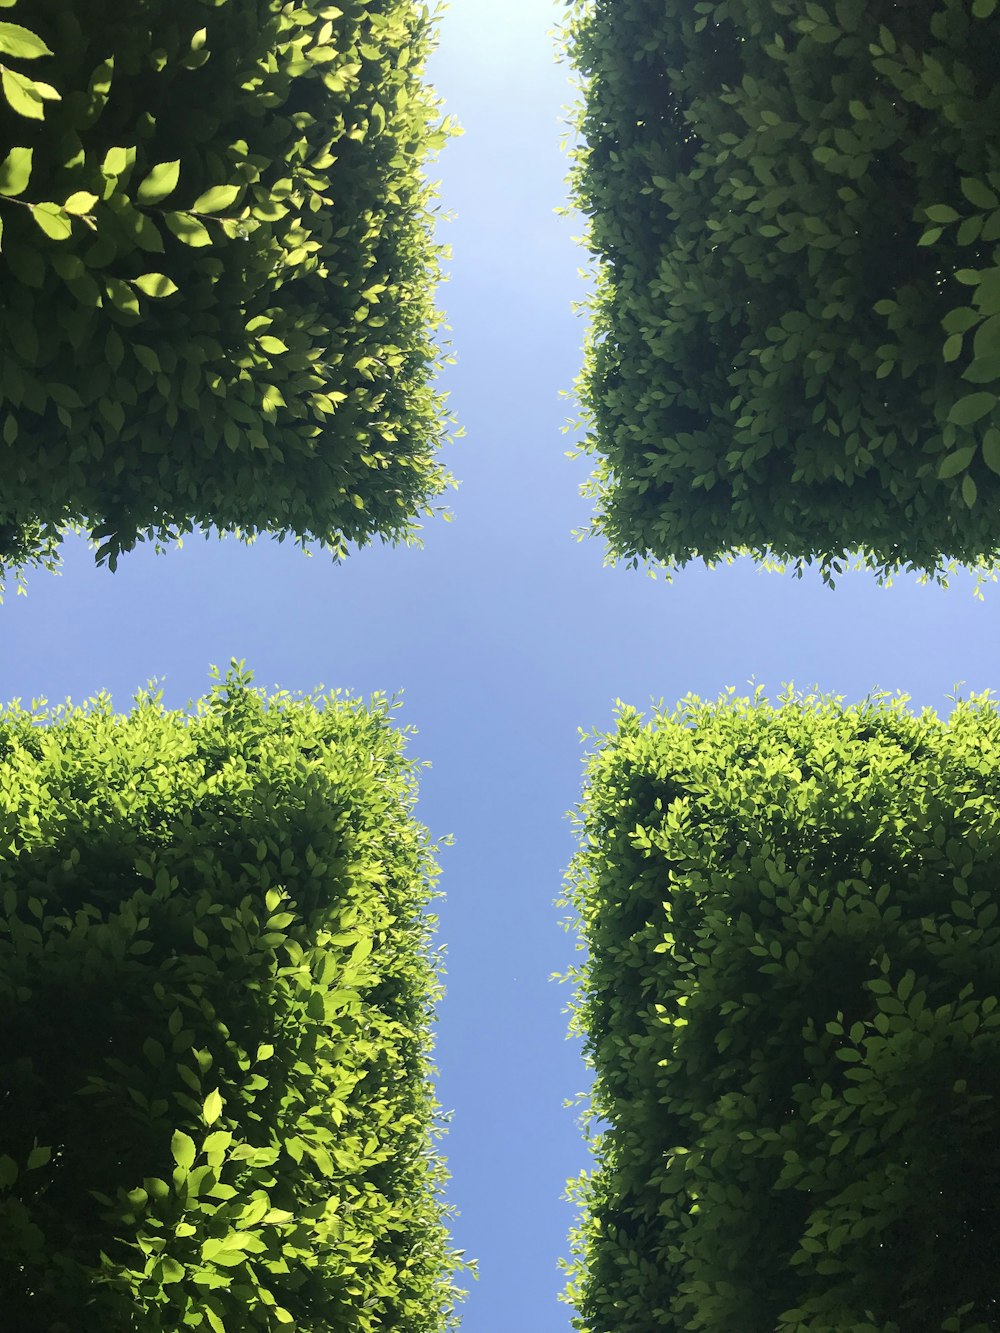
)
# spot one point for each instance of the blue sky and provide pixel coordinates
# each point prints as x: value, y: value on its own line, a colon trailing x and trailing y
x: 505, y: 636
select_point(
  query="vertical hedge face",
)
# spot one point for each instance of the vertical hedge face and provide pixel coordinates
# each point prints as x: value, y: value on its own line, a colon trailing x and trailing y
x: 791, y: 1005
x: 215, y: 997
x: 217, y: 271
x: 795, y: 339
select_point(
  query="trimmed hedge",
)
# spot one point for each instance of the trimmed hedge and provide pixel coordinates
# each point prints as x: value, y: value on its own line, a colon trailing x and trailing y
x: 794, y: 348
x: 215, y: 998
x: 791, y: 1005
x: 217, y: 268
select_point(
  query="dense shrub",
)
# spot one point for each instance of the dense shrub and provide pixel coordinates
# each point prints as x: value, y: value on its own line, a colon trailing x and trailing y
x: 215, y: 997
x: 791, y: 1005
x: 795, y: 338
x: 217, y: 271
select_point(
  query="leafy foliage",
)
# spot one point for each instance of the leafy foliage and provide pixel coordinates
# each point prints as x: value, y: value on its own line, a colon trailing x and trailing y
x: 795, y: 340
x: 215, y: 998
x: 218, y: 268
x: 791, y: 1005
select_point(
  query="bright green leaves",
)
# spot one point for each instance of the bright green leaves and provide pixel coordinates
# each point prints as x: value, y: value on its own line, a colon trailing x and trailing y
x: 155, y: 284
x: 80, y: 202
x: 115, y: 162
x: 288, y: 1028
x: 212, y: 1108
x: 188, y: 229
x: 15, y: 172
x: 26, y: 96
x: 53, y: 220
x: 160, y: 182
x: 180, y: 226
x: 18, y: 41
x: 215, y: 200
x: 183, y: 1150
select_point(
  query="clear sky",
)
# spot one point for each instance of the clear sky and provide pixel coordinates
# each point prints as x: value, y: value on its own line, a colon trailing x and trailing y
x: 505, y: 636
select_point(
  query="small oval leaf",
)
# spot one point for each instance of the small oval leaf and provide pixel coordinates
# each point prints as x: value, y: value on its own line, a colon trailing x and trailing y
x: 160, y: 182
x: 15, y: 172
x: 221, y: 196
x: 155, y: 284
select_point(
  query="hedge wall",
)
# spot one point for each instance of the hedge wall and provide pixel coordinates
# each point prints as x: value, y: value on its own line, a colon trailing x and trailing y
x: 215, y: 998
x: 795, y: 339
x: 791, y: 1005
x: 217, y: 271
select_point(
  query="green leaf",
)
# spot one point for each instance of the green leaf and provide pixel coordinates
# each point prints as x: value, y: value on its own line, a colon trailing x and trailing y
x: 930, y: 236
x: 987, y: 296
x: 221, y: 196
x: 170, y: 1269
x: 982, y: 9
x: 182, y: 1147
x: 956, y: 462
x: 18, y: 41
x: 38, y: 1157
x: 53, y: 220
x: 82, y: 201
x: 969, y: 491
x: 15, y: 172
x: 212, y: 1108
x: 160, y: 182
x: 983, y: 370
x: 272, y: 344
x: 987, y: 339
x: 115, y: 161
x: 188, y: 229
x: 960, y: 320
x: 941, y: 213
x: 952, y: 349
x: 973, y: 407
x: 155, y: 284
x: 21, y: 95
x: 991, y: 449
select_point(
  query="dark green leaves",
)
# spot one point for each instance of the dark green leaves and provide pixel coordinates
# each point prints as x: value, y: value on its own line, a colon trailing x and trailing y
x: 790, y: 927
x: 784, y: 213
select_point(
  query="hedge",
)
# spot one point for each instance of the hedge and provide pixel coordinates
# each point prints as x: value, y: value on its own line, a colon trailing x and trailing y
x: 794, y: 347
x: 790, y: 1002
x: 215, y: 999
x: 217, y: 266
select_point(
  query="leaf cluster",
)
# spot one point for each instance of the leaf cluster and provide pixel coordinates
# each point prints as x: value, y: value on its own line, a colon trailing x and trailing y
x: 791, y: 1002
x: 218, y: 270
x: 794, y: 348
x: 216, y: 990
